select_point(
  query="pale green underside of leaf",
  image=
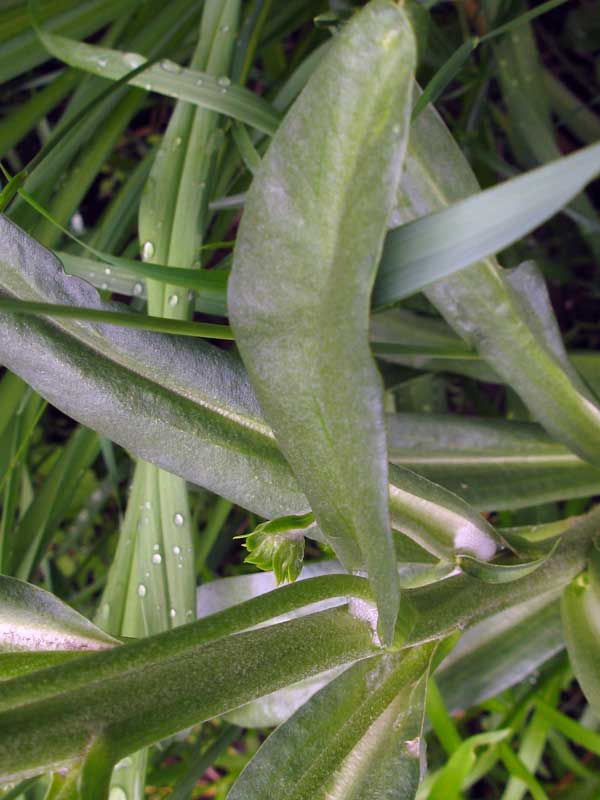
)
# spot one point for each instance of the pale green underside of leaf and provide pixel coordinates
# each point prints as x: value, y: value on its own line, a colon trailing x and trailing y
x: 304, y: 263
x: 34, y: 619
x: 359, y: 736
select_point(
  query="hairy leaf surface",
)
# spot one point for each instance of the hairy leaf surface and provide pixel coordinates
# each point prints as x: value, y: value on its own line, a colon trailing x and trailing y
x: 304, y: 265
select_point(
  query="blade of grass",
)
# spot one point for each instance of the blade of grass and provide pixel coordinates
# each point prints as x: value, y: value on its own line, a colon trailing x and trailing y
x: 121, y: 318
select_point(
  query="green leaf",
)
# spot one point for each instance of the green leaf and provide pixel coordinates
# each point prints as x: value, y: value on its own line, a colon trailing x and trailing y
x: 20, y: 50
x: 170, y: 683
x: 507, y: 317
x: 463, y: 601
x: 167, y: 78
x: 445, y: 75
x: 493, y: 464
x: 530, y: 125
x: 275, y: 708
x: 308, y: 221
x: 572, y: 729
x: 580, y: 608
x: 124, y: 319
x: 502, y: 573
x: 125, y: 277
x: 33, y: 619
x: 438, y: 520
x: 138, y: 389
x: 204, y: 424
x: 187, y: 674
x: 28, y: 542
x: 360, y: 736
x: 449, y: 781
x: 430, y: 248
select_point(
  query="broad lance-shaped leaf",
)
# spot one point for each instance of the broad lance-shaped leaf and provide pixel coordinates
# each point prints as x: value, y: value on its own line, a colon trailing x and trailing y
x: 489, y: 310
x: 580, y: 608
x: 304, y: 265
x: 33, y: 619
x: 187, y: 407
x: 360, y: 736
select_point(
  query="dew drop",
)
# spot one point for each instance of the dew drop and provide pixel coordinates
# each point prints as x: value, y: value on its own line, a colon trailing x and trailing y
x: 172, y: 613
x: 156, y: 547
x: 104, y: 286
x: 138, y: 288
x: 133, y: 60
x: 124, y: 762
x: 156, y: 558
x: 200, y: 82
x: 173, y: 300
x: 107, y: 271
x: 170, y: 66
x: 116, y: 793
x: 102, y: 62
x: 396, y: 130
x: 176, y: 550
x: 225, y: 29
x: 224, y: 83
x: 148, y: 505
x: 178, y: 519
x: 141, y: 590
x: 148, y: 250
x: 189, y: 613
x: 177, y: 142
x: 77, y: 224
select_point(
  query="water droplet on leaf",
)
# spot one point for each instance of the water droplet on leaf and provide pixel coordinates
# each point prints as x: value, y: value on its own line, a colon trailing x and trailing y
x: 133, y: 60
x: 170, y: 66
x: 148, y: 250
